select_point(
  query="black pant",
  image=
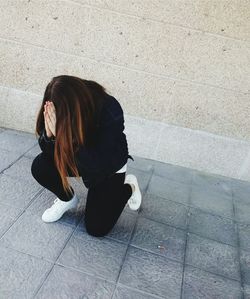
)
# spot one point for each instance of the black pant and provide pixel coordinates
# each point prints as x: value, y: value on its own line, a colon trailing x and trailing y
x: 105, y: 201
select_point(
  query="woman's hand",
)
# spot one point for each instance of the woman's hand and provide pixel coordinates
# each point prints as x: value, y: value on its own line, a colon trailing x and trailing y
x: 50, y: 118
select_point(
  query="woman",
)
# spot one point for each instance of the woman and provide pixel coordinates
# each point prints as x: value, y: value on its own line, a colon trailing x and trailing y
x: 80, y: 128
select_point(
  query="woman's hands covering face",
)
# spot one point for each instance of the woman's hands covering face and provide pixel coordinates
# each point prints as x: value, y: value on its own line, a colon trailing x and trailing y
x: 50, y: 118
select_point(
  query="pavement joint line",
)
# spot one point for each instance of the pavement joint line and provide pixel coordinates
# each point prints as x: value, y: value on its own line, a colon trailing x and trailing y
x: 19, y: 158
x: 133, y: 231
x: 238, y: 247
x: 125, y: 255
x: 157, y: 254
x: 36, y: 257
x: 94, y: 275
x: 82, y: 272
x: 161, y: 222
x: 29, y: 254
x: 188, y: 231
x: 214, y: 273
x: 54, y: 262
x: 1, y: 237
x: 24, y: 210
x: 185, y: 264
x: 168, y: 179
x: 193, y: 206
x: 105, y: 237
x: 185, y: 250
x: 139, y: 291
x: 102, y: 278
x: 190, y: 189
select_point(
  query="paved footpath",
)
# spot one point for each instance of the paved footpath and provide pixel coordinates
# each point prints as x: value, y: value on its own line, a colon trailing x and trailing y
x: 190, y: 239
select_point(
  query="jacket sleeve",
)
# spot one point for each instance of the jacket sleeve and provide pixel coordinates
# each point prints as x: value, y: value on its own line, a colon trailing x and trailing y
x: 46, y: 144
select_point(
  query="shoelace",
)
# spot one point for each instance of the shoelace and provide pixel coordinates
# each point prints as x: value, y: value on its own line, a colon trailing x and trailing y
x: 56, y: 205
x: 56, y: 200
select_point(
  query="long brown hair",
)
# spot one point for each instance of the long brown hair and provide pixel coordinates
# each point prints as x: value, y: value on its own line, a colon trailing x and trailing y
x: 78, y: 104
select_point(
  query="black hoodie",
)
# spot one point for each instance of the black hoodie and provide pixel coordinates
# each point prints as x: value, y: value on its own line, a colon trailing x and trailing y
x: 110, y: 152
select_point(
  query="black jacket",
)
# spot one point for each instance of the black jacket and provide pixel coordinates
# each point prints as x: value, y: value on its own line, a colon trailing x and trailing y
x: 110, y: 152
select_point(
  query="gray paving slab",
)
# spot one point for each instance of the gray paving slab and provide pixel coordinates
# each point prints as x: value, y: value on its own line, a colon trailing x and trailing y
x: 101, y: 257
x: 245, y: 266
x: 164, y: 210
x: 212, y: 256
x: 244, y: 236
x: 122, y: 230
x: 78, y: 186
x: 246, y: 291
x: 242, y: 212
x: 213, y: 202
x: 200, y: 284
x: 173, y: 172
x: 29, y: 234
x: 213, y: 227
x: 123, y: 292
x: 241, y: 191
x: 33, y: 152
x: 17, y: 141
x: 21, y: 274
x: 159, y: 238
x: 140, y: 163
x: 208, y: 211
x: 169, y: 189
x: 65, y: 283
x: 7, y: 158
x: 17, y: 192
x: 211, y: 182
x: 21, y: 169
x: 151, y: 273
x: 8, y: 215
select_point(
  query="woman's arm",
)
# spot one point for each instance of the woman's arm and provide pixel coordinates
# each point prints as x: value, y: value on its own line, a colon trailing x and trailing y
x: 47, y: 144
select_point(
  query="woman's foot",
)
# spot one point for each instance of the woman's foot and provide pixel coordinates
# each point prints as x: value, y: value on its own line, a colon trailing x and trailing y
x: 59, y: 207
x: 134, y: 201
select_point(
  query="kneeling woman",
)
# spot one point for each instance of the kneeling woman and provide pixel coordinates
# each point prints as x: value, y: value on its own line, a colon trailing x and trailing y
x: 80, y: 132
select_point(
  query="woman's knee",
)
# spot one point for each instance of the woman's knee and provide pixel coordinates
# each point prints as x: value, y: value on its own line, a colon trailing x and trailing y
x: 95, y: 230
x: 38, y: 166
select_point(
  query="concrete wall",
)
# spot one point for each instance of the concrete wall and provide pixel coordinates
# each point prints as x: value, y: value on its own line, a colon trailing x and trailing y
x: 180, y: 69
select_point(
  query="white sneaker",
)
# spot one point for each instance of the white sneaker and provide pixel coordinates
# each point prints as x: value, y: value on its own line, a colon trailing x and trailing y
x: 59, y: 207
x: 134, y: 201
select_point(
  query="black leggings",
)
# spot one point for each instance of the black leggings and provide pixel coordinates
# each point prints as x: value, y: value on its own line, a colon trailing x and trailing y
x: 105, y: 201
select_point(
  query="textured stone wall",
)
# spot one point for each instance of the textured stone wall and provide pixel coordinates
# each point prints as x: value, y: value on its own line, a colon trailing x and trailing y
x: 175, y: 66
